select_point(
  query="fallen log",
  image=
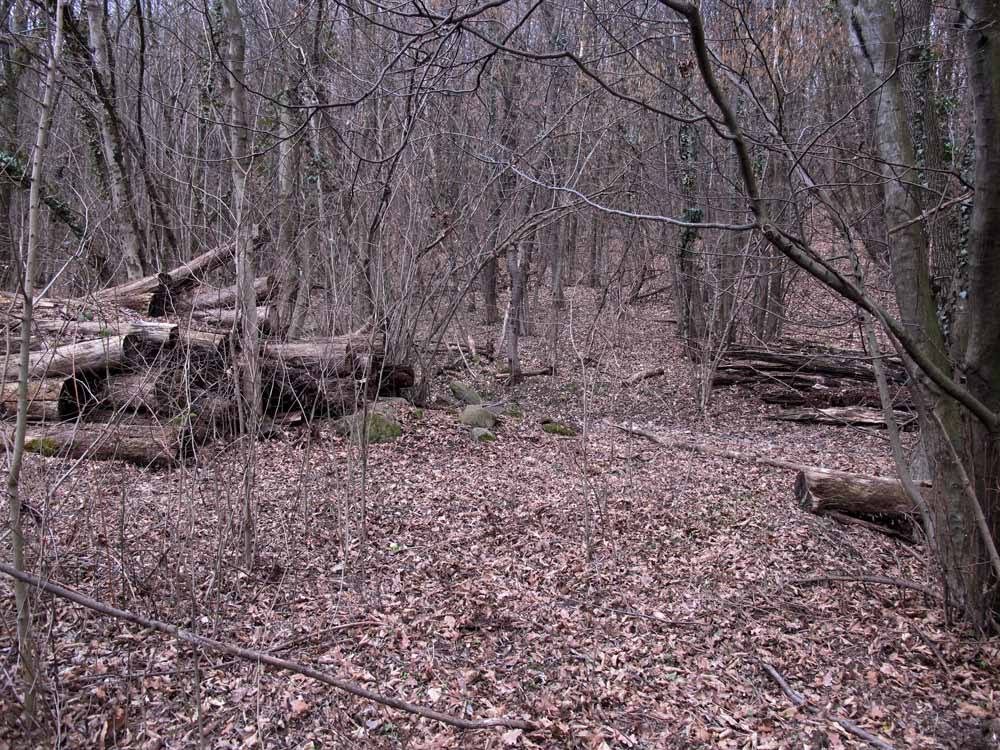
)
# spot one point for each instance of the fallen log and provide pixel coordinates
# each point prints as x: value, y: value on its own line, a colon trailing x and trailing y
x: 817, y: 490
x: 136, y: 392
x: 53, y: 399
x: 842, y: 395
x: 823, y: 491
x: 209, y: 341
x: 540, y: 372
x: 154, y: 445
x: 285, y: 389
x: 834, y: 363
x: 91, y: 329
x: 152, y: 295
x: 845, y: 415
x: 219, y: 298
x: 338, y: 356
x: 267, y: 318
x: 94, y: 356
x: 644, y: 375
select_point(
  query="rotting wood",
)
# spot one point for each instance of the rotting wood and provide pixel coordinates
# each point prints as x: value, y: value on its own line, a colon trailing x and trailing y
x: 822, y: 491
x: 53, y: 399
x: 156, y: 446
x: 151, y: 295
x: 844, y: 416
x: 644, y: 375
x: 260, y: 657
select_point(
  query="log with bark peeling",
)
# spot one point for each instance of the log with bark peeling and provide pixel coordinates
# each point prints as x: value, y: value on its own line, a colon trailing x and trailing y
x: 845, y: 415
x: 94, y: 356
x: 153, y: 445
x: 827, y: 491
x: 151, y: 295
x: 216, y: 298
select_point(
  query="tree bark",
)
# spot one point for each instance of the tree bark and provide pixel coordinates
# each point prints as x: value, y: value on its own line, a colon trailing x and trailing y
x: 53, y: 399
x: 17, y: 437
x: 826, y: 491
x: 113, y: 146
x: 154, y: 446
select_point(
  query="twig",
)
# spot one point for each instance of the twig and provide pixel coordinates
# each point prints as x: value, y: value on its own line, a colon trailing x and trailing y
x: 708, y: 450
x: 644, y: 375
x: 637, y: 615
x: 884, y: 580
x: 259, y: 657
x: 800, y: 701
x: 793, y: 695
x: 542, y: 371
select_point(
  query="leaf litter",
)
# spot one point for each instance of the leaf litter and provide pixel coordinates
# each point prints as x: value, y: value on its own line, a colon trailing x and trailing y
x: 455, y: 574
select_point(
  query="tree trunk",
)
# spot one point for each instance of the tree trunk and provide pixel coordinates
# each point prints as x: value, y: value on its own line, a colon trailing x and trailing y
x: 17, y: 437
x: 96, y: 356
x: 112, y: 144
x: 205, y: 297
x: 152, y: 295
x: 53, y: 399
x: 826, y: 491
x: 156, y: 446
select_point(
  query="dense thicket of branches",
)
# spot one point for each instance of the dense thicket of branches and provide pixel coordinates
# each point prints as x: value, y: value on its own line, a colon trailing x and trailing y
x: 396, y: 162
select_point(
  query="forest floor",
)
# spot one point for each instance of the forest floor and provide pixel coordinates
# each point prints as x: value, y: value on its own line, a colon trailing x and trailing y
x: 468, y: 588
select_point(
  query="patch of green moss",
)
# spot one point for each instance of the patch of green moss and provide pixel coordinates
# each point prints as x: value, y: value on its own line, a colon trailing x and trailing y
x: 382, y: 429
x: 43, y: 446
x: 515, y: 411
x: 482, y: 435
x: 554, y: 428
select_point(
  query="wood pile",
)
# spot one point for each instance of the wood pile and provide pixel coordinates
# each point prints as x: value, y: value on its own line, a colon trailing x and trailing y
x: 144, y: 371
x: 813, y: 377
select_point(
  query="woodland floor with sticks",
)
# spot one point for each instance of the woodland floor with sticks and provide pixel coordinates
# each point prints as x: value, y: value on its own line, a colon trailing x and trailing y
x: 709, y: 615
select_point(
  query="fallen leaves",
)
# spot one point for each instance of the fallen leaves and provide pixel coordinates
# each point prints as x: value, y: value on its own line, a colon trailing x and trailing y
x: 471, y: 591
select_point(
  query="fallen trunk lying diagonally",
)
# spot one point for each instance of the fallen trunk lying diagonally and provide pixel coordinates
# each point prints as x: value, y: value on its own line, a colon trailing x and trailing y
x: 151, y: 295
x: 260, y: 657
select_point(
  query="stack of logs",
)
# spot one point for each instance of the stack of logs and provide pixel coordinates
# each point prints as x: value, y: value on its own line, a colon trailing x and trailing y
x: 818, y: 384
x: 107, y: 382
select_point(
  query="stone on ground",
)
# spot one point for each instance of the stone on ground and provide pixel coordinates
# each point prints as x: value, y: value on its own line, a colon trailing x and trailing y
x: 477, y: 416
x: 465, y: 392
x: 482, y: 435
